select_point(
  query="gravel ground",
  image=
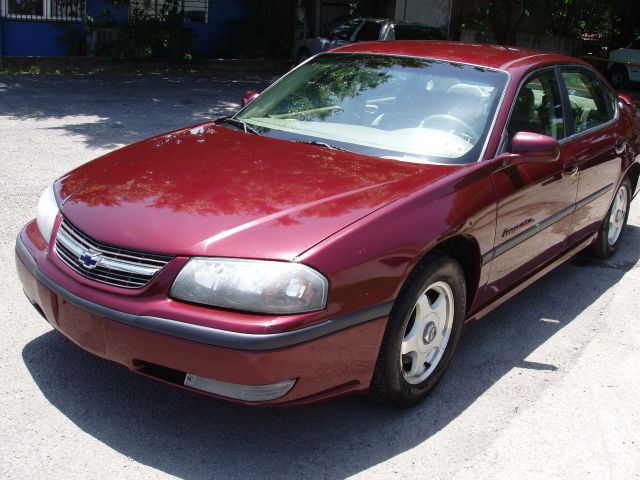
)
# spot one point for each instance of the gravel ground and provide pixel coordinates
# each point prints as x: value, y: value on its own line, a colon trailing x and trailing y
x: 547, y: 386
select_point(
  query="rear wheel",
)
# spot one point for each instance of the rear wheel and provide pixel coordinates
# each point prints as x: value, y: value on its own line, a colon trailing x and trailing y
x: 422, y: 333
x: 613, y: 227
x: 619, y: 76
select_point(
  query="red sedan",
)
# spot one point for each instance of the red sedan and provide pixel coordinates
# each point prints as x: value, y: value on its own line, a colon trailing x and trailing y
x: 336, y: 235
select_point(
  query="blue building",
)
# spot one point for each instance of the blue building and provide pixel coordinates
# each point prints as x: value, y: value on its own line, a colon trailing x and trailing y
x: 34, y: 27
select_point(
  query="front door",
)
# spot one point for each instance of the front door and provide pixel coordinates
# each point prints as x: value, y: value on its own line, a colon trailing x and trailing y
x: 535, y: 200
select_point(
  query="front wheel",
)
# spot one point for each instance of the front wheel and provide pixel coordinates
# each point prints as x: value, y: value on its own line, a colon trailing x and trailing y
x: 612, y: 230
x: 422, y: 333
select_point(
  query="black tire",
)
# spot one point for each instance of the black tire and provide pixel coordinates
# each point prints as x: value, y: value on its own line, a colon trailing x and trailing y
x: 619, y: 76
x: 391, y: 383
x: 302, y: 55
x: 606, y: 243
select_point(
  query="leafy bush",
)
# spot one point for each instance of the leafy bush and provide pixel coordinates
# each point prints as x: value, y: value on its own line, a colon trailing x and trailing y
x: 144, y: 35
x: 147, y: 35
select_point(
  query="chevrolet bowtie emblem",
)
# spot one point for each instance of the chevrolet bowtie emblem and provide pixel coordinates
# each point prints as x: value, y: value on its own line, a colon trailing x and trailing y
x: 90, y: 259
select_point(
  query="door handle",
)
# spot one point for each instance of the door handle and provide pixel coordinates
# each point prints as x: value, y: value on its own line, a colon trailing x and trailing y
x: 570, y: 168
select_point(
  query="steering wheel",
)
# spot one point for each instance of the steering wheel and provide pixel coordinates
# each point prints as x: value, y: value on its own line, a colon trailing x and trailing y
x: 437, y: 120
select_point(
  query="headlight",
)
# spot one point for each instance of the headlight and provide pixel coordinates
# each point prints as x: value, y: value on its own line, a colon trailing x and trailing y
x: 47, y: 213
x: 251, y: 285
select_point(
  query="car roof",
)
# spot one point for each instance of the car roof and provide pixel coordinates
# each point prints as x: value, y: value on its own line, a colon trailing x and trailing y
x: 500, y: 57
x: 397, y: 22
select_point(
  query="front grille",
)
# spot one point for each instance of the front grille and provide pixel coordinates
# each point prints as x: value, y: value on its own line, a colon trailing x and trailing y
x: 106, y: 263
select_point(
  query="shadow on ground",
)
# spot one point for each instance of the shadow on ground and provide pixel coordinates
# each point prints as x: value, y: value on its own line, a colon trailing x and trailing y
x: 109, y: 110
x: 195, y: 437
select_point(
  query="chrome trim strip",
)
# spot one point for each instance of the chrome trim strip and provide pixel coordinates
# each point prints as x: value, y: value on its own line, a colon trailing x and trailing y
x: 74, y: 236
x: 594, y: 196
x: 538, y: 227
x: 117, y: 266
x: 206, y: 335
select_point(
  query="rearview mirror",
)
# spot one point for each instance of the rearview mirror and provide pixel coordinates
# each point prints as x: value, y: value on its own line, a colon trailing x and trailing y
x: 248, y: 97
x: 529, y: 147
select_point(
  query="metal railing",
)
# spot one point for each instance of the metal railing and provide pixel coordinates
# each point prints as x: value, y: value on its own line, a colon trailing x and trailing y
x: 196, y: 11
x: 57, y: 10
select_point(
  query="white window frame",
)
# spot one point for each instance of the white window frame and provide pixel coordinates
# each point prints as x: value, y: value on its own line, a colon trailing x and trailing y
x: 46, y: 16
x: 185, y: 3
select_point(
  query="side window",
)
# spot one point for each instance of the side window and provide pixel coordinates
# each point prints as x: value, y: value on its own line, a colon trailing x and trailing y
x: 635, y: 45
x: 369, y: 31
x: 345, y: 31
x: 414, y: 32
x: 590, y: 105
x: 538, y: 107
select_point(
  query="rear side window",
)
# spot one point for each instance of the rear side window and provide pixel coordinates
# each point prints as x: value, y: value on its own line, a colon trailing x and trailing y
x: 369, y: 31
x: 415, y: 32
x: 591, y: 105
x: 538, y: 107
x: 345, y: 31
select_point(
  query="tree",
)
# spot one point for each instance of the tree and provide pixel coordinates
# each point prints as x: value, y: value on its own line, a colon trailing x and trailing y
x: 573, y: 18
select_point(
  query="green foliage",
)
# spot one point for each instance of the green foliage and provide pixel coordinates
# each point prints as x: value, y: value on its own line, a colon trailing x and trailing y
x: 75, y: 37
x: 572, y: 18
x: 579, y: 17
x: 147, y: 35
x: 365, y: 8
x: 144, y: 35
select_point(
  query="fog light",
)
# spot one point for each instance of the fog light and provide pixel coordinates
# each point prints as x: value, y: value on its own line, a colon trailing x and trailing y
x: 249, y: 393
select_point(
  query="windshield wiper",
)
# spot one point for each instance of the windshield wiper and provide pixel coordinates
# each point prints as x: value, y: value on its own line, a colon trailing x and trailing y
x: 239, y: 124
x: 321, y: 144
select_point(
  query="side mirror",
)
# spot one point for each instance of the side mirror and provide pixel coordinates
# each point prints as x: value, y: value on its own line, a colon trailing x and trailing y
x: 529, y: 147
x: 248, y: 97
x: 626, y: 99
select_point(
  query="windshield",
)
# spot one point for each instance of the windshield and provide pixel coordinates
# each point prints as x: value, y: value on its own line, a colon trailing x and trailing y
x: 410, y: 109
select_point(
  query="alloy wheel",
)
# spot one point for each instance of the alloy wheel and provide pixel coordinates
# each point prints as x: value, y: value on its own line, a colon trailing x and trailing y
x: 617, y: 215
x: 427, y: 333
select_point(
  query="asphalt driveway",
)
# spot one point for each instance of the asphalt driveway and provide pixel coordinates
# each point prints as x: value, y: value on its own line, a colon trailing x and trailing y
x: 547, y: 386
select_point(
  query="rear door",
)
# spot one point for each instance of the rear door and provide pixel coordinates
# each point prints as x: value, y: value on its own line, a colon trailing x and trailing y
x: 535, y: 200
x: 597, y: 142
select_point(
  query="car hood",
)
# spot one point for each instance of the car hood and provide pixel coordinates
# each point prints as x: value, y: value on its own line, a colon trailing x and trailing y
x: 208, y: 190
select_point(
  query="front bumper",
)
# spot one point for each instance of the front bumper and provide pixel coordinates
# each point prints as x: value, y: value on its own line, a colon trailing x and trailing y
x: 327, y: 359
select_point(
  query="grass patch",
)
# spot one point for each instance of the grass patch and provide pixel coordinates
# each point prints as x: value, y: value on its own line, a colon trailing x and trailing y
x: 62, y: 67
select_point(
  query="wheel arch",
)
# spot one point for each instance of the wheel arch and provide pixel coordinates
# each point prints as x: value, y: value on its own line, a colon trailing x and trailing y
x: 634, y: 175
x: 465, y: 250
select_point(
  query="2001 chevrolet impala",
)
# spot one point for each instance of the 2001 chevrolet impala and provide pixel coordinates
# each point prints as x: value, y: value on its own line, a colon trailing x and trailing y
x: 335, y: 235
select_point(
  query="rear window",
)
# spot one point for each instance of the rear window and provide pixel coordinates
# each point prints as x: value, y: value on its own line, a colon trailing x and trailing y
x: 416, y: 32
